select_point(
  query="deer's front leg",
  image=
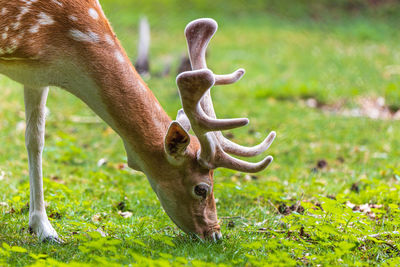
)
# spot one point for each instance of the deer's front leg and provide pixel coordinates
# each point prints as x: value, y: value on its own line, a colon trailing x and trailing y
x: 35, y: 104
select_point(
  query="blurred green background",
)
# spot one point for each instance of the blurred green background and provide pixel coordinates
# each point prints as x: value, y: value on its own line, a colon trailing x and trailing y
x: 322, y: 49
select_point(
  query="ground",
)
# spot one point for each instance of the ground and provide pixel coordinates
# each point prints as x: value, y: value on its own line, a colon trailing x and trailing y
x: 331, y: 197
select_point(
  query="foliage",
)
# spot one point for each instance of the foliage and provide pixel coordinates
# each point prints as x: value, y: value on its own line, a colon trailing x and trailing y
x: 317, y: 9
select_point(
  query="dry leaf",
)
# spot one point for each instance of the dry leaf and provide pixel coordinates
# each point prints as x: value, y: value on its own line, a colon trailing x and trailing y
x: 96, y: 218
x: 125, y: 214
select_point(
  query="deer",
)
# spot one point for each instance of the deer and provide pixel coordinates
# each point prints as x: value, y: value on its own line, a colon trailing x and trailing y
x: 70, y: 44
x: 142, y: 64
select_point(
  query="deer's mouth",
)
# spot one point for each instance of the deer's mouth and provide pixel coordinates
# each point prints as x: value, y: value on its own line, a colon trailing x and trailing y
x: 216, y: 236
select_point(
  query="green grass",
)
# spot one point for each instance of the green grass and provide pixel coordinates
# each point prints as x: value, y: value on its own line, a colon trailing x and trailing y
x: 286, y: 60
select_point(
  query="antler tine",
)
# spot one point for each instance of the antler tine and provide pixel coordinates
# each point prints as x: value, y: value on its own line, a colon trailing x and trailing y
x: 242, y: 151
x: 192, y: 86
x: 198, y: 35
x: 230, y: 78
x: 183, y: 120
x: 230, y: 162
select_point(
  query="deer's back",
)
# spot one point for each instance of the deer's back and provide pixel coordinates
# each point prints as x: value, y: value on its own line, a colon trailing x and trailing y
x: 42, y: 29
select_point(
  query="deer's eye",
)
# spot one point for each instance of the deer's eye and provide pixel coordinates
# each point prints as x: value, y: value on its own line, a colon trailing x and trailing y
x: 202, y: 190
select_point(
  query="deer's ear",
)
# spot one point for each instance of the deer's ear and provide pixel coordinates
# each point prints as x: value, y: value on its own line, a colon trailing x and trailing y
x: 176, y: 141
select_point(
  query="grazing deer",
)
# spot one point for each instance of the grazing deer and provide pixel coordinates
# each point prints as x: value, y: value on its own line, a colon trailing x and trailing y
x: 70, y: 44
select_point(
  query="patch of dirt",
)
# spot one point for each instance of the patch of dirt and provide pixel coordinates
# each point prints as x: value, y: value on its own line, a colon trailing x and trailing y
x: 365, y: 208
x: 355, y: 188
x: 287, y: 210
x: 321, y: 164
x: 369, y: 107
x: 57, y: 180
x: 231, y: 224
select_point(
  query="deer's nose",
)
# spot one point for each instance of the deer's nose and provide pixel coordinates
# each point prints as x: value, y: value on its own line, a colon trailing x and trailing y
x: 216, y: 236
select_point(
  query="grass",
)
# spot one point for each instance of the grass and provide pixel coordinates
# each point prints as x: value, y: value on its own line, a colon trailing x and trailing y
x: 286, y: 60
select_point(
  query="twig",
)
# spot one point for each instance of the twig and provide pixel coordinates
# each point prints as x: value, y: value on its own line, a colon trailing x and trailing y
x: 233, y: 218
x: 364, y: 238
x: 272, y: 204
x: 298, y: 203
x: 266, y: 230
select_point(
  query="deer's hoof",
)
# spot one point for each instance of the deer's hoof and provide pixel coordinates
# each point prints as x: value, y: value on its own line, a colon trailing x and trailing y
x: 53, y: 240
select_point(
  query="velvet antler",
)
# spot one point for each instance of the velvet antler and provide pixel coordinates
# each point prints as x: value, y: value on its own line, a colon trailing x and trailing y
x: 194, y: 87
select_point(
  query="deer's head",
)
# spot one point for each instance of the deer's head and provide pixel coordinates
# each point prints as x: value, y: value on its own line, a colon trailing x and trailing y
x: 187, y: 196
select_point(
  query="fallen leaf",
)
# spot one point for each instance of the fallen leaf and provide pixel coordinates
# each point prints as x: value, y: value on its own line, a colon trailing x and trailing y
x: 101, y: 232
x: 96, y: 218
x: 125, y: 214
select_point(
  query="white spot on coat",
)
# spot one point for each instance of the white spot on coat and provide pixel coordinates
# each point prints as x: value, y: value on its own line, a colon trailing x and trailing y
x: 4, y: 36
x: 34, y: 28
x: 57, y: 2
x: 93, y: 13
x: 45, y: 19
x: 29, y: 2
x: 79, y: 36
x: 119, y: 56
x: 109, y: 39
x: 4, y: 11
x: 24, y: 10
x: 73, y: 18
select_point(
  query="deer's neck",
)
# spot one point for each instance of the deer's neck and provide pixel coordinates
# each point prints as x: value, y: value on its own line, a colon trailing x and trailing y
x: 121, y: 98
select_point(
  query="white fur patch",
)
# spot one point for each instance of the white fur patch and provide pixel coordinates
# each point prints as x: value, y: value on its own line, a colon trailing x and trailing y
x: 79, y: 36
x: 119, y: 56
x: 4, y: 11
x: 24, y: 10
x: 4, y: 36
x: 93, y: 13
x: 29, y: 2
x: 45, y: 19
x: 73, y: 18
x: 34, y: 28
x: 57, y: 2
x: 109, y: 39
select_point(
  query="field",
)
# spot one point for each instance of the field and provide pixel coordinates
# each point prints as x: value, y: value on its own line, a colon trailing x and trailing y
x: 331, y: 197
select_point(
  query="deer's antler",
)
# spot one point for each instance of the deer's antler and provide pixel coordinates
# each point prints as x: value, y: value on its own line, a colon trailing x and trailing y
x: 194, y: 87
